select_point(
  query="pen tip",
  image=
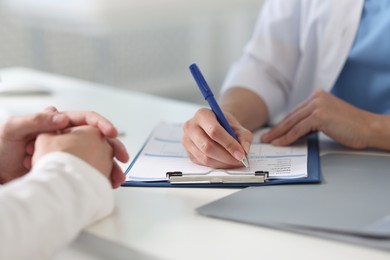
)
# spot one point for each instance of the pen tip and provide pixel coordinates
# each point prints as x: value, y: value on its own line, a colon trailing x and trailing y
x: 245, y: 162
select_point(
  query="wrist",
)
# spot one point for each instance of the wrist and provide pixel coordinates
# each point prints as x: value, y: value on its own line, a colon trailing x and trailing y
x: 379, y: 134
x: 246, y: 106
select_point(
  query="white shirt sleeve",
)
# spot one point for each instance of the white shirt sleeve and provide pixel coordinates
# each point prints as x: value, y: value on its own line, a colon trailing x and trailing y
x: 269, y: 62
x: 297, y: 46
x: 46, y: 209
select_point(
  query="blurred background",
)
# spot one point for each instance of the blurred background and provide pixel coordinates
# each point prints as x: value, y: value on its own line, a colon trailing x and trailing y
x: 140, y: 45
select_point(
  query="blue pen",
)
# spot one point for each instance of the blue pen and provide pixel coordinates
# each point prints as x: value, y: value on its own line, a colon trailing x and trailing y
x: 209, y: 96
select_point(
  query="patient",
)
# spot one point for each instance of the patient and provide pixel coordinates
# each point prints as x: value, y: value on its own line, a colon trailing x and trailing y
x: 57, y: 171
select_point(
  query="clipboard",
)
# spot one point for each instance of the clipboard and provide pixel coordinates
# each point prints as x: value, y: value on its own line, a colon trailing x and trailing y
x: 216, y: 178
x: 209, y: 178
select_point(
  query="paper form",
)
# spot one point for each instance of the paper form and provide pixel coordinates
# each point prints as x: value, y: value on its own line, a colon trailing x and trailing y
x: 163, y: 152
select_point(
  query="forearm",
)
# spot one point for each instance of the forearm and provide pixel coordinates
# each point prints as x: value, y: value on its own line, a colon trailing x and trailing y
x: 248, y: 108
x: 378, y: 132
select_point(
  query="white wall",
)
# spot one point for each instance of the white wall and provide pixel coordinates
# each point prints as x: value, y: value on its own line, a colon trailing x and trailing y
x: 142, y: 45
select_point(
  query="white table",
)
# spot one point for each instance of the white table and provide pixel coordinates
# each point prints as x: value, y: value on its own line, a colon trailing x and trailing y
x: 161, y: 223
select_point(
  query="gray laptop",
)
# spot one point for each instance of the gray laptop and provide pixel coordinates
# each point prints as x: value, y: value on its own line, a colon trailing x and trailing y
x: 351, y: 203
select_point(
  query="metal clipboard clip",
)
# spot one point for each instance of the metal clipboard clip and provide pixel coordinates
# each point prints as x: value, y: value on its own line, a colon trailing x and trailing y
x: 209, y: 177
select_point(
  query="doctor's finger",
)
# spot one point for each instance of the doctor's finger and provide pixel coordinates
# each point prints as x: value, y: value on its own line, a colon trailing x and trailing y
x: 301, y: 129
x: 316, y: 101
x: 193, y: 152
x: 298, y: 108
x: 245, y: 138
x: 207, y: 121
x: 208, y: 153
x: 214, y: 149
x: 211, y: 163
x: 288, y: 123
x: 221, y: 137
x: 200, y: 158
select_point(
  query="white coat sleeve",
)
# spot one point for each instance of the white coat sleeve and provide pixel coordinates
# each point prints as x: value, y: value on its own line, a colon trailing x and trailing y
x: 270, y: 59
x: 46, y: 209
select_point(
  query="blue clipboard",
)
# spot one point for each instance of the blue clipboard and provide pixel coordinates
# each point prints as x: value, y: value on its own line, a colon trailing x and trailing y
x: 313, y: 167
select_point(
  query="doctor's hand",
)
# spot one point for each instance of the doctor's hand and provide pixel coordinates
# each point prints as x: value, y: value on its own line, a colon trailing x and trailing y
x: 17, y: 136
x: 344, y: 123
x: 209, y: 144
x: 88, y: 144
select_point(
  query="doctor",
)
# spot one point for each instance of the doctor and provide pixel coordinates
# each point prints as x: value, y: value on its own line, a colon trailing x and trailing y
x: 326, y: 63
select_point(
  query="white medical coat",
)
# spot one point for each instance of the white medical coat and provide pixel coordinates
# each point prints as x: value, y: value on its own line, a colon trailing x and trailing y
x: 297, y: 46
